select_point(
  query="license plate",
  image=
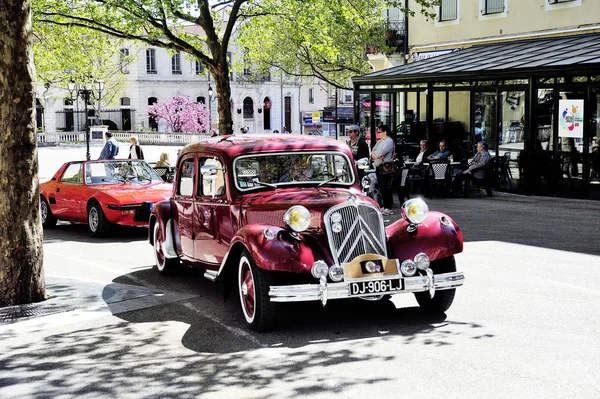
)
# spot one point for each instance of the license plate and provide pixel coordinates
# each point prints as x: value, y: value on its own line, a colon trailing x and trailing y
x: 375, y: 287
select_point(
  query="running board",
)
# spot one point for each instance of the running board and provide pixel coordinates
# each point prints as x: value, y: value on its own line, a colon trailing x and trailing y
x: 210, y: 275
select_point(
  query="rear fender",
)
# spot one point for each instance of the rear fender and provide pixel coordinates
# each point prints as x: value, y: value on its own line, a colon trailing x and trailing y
x: 283, y: 253
x: 438, y: 237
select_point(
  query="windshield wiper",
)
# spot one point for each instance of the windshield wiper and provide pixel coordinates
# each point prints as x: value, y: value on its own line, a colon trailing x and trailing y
x: 142, y: 178
x: 263, y: 183
x: 332, y: 179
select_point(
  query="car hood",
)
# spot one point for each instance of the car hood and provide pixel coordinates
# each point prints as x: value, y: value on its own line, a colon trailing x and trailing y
x: 269, y: 207
x: 136, y: 193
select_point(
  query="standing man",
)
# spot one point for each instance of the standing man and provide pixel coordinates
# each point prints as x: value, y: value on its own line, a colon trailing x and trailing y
x: 284, y: 130
x: 358, y: 145
x: 111, y: 147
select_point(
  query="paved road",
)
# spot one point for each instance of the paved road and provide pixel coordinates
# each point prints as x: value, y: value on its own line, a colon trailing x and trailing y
x: 526, y: 324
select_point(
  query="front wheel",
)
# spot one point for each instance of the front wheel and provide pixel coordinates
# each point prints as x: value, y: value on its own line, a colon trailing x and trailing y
x: 253, y: 286
x: 164, y: 265
x: 98, y: 224
x: 48, y: 218
x: 442, y: 300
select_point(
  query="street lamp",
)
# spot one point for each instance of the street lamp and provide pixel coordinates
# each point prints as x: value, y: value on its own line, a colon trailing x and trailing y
x: 99, y: 88
x: 210, y: 100
x: 77, y: 90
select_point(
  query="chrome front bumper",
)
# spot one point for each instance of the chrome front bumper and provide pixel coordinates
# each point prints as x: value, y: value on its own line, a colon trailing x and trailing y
x: 325, y: 291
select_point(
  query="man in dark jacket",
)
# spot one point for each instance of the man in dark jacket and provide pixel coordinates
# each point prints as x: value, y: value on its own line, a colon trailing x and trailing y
x: 358, y: 145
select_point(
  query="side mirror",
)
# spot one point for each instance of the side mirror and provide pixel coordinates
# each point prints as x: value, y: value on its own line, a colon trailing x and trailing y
x: 362, y: 163
x: 209, y: 170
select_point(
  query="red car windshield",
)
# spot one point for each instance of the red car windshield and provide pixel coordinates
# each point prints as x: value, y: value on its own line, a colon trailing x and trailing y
x: 119, y: 171
x: 297, y: 168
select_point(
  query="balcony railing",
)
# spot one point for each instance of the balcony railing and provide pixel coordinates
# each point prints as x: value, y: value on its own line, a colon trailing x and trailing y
x: 395, y: 34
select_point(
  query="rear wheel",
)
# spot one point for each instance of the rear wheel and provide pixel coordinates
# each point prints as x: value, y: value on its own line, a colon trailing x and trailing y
x: 164, y: 265
x: 253, y: 286
x: 98, y: 224
x: 442, y: 300
x: 48, y: 218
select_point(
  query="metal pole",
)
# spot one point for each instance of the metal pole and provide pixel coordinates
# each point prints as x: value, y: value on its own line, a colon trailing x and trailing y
x: 281, y: 97
x: 209, y: 106
x: 77, y: 107
x: 86, y: 95
x: 336, y: 114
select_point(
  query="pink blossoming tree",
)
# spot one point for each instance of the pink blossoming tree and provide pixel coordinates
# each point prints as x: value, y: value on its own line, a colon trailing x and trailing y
x: 181, y: 114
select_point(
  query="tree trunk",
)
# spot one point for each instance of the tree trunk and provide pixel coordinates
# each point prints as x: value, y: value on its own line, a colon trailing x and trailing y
x: 223, y: 88
x: 21, y: 254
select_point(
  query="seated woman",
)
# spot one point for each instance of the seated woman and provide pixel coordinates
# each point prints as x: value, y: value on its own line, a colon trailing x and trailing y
x: 164, y: 160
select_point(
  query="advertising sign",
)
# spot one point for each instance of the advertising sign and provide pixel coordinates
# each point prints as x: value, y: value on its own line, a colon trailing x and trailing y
x: 316, y: 117
x: 570, y: 118
x: 423, y: 55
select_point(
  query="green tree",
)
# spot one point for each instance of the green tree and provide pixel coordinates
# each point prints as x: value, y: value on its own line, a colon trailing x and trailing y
x: 204, y: 28
x: 63, y: 54
x: 322, y: 39
x: 21, y: 254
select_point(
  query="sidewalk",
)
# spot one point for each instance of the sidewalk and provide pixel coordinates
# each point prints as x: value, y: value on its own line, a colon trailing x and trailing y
x: 75, y: 300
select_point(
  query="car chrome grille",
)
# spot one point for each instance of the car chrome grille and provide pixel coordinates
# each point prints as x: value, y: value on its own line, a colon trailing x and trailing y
x: 362, y: 232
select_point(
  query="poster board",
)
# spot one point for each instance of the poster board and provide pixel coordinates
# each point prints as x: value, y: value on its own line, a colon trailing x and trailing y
x: 570, y: 118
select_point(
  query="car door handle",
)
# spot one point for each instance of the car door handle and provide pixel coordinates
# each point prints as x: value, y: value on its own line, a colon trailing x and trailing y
x: 58, y: 189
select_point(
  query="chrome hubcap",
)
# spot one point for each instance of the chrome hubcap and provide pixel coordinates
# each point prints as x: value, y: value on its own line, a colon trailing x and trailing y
x: 44, y: 211
x: 245, y: 289
x: 160, y: 258
x: 93, y: 219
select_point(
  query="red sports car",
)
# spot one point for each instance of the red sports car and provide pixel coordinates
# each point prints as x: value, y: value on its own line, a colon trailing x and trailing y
x: 100, y: 193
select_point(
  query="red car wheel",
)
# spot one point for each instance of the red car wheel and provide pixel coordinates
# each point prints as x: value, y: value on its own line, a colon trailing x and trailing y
x: 247, y: 293
x: 163, y: 264
x: 253, y: 286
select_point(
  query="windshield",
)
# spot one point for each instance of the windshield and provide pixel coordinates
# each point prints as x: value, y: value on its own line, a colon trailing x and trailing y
x: 276, y: 170
x: 119, y: 171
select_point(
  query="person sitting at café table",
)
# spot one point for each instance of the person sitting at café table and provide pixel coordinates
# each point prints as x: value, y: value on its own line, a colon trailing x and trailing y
x: 422, y: 153
x: 441, y: 155
x: 476, y: 169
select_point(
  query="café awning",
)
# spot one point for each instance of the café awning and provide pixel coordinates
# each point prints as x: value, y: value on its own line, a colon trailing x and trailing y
x: 577, y: 54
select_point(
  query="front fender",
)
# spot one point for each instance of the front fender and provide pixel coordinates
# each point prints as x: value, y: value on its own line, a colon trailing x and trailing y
x: 283, y: 253
x: 161, y: 213
x: 434, y: 238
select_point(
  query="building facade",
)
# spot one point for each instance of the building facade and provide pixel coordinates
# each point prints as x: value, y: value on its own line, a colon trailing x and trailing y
x: 260, y: 104
x: 501, y: 71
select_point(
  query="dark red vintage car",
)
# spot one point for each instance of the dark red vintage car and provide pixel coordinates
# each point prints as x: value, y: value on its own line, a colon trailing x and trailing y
x: 118, y: 191
x: 281, y: 218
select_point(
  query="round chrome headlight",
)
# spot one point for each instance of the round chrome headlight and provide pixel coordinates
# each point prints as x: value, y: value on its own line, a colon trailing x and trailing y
x: 336, y: 273
x: 415, y: 210
x: 365, y: 182
x: 319, y: 269
x: 408, y: 268
x: 422, y: 261
x: 297, y: 217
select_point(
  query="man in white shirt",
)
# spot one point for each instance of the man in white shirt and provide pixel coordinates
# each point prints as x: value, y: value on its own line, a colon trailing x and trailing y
x: 421, y: 156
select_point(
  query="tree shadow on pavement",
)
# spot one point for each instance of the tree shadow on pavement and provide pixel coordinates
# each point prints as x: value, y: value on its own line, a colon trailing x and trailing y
x: 210, y: 315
